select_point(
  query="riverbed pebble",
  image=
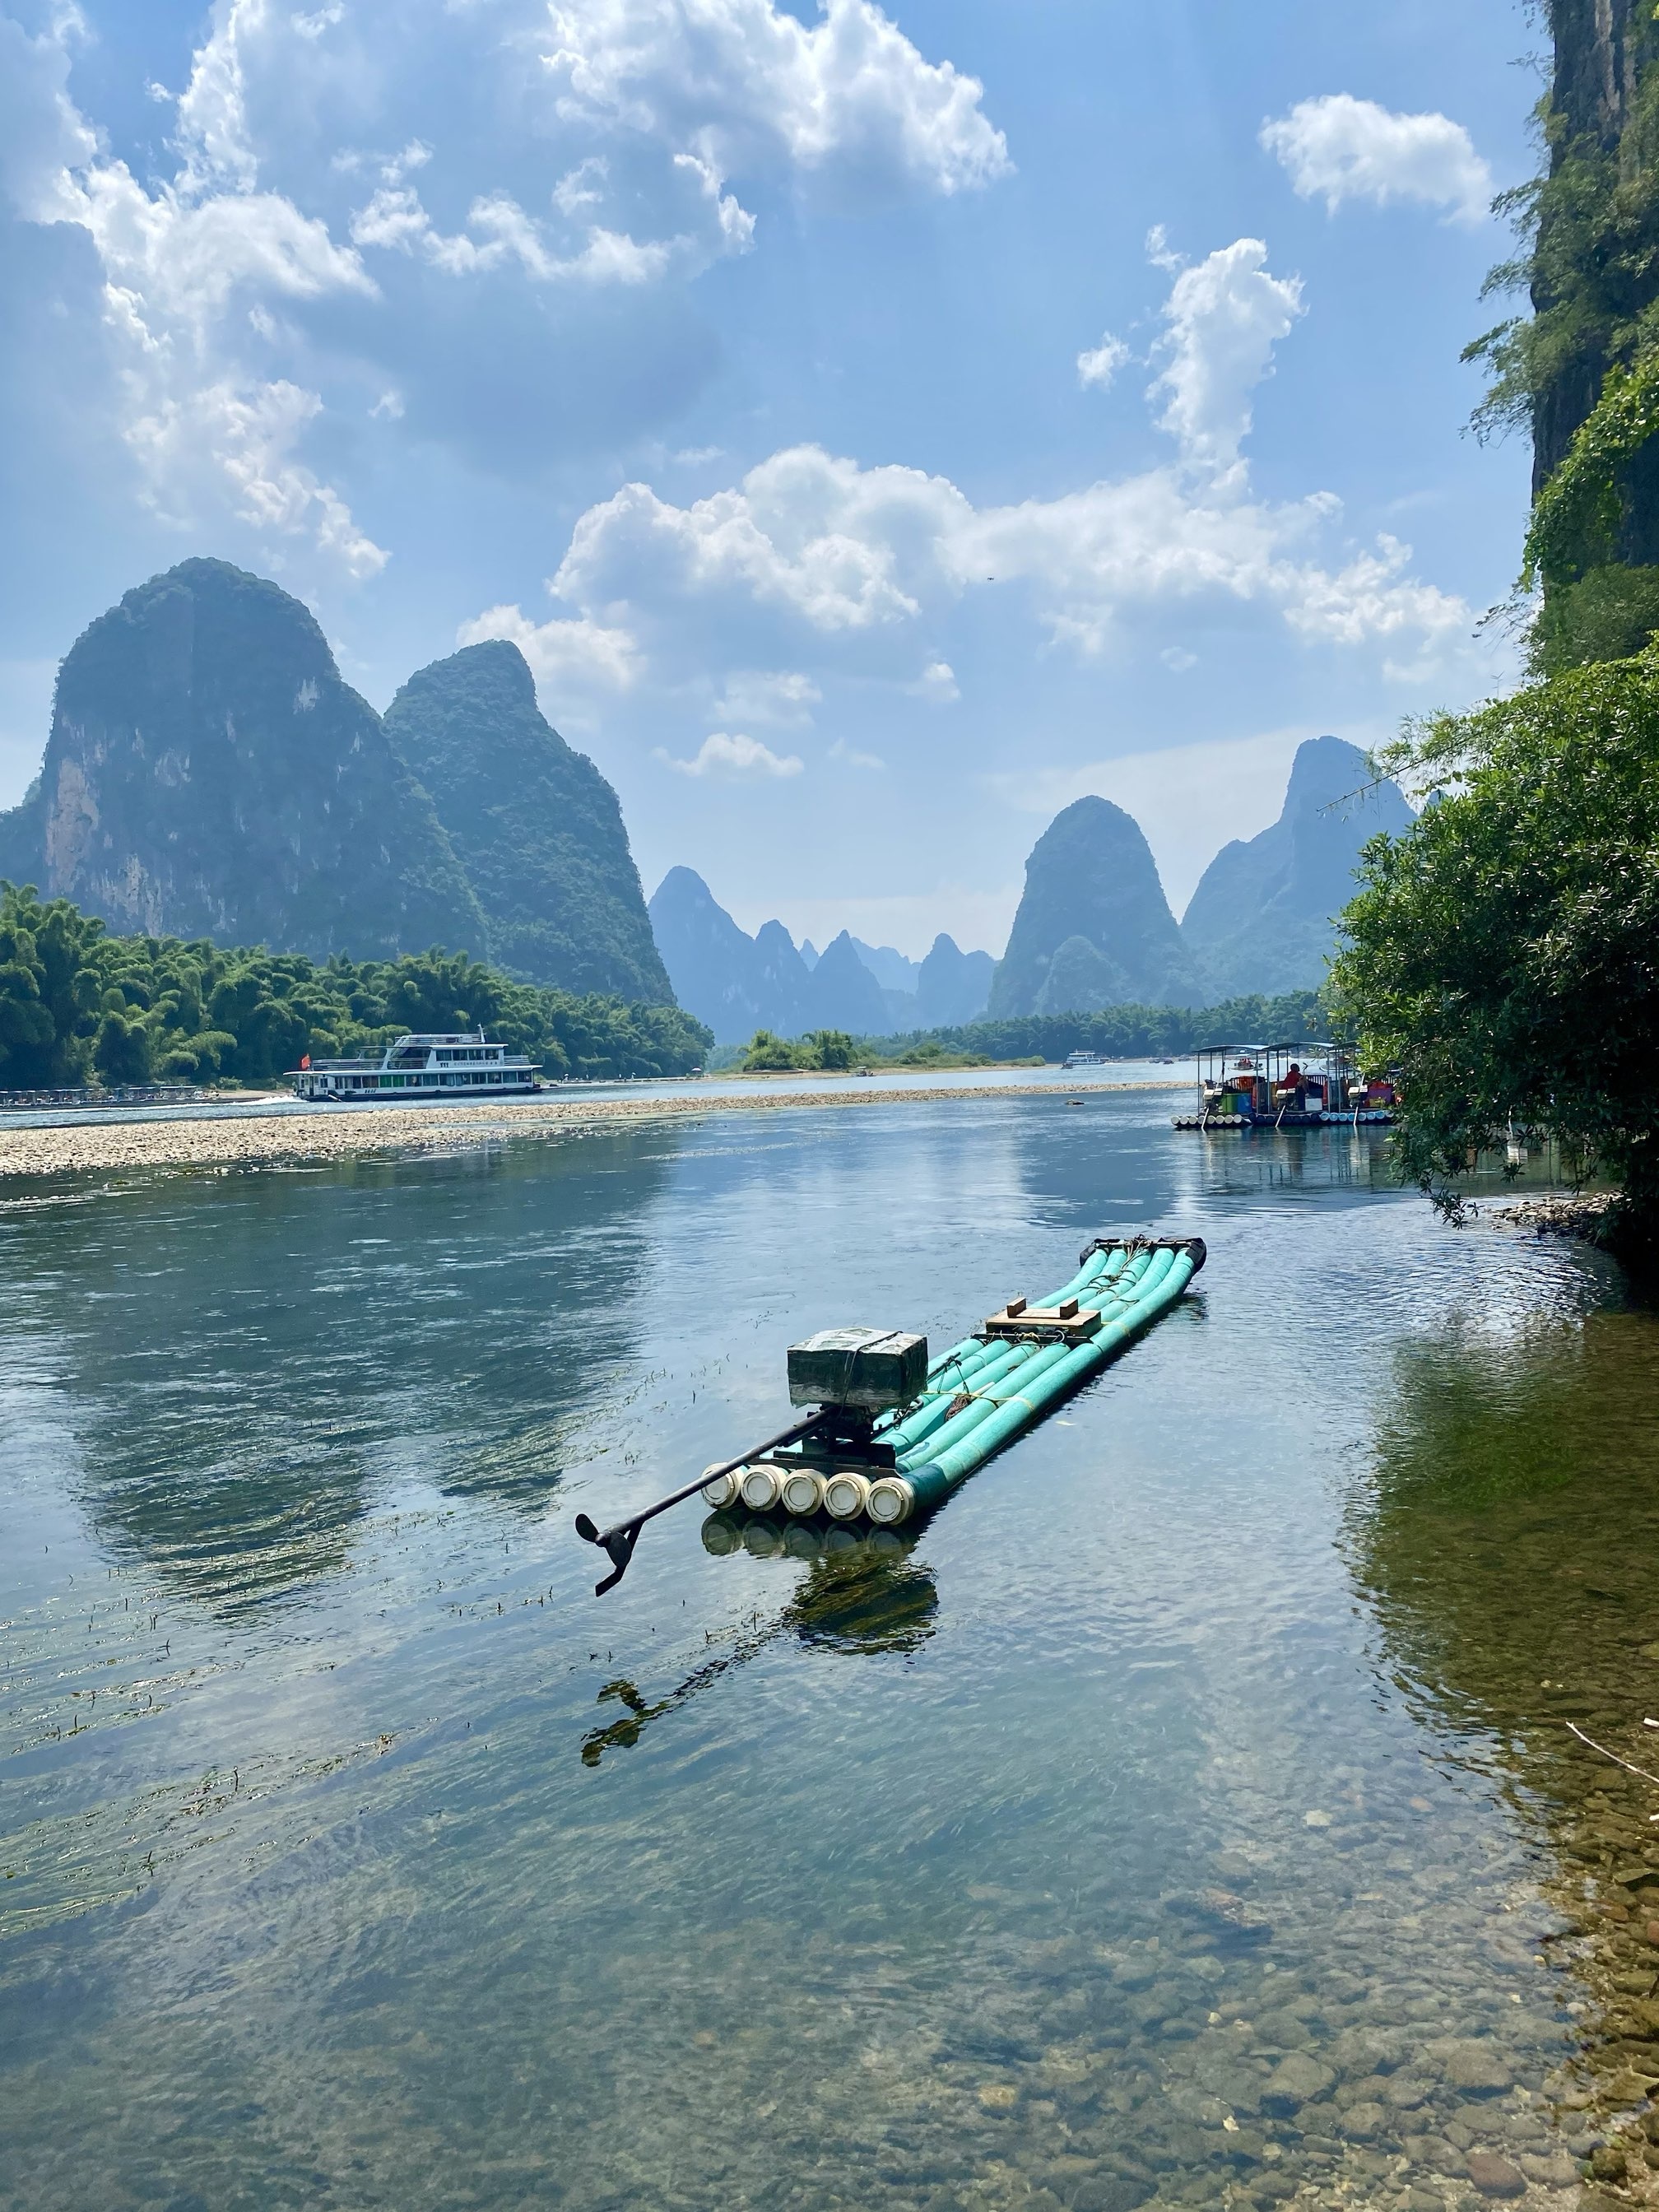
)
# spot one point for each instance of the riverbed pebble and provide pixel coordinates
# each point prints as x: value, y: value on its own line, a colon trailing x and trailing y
x: 1477, y: 2066
x: 1494, y: 2176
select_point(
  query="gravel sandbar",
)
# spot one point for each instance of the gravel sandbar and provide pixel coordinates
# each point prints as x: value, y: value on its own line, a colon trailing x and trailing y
x: 253, y: 1140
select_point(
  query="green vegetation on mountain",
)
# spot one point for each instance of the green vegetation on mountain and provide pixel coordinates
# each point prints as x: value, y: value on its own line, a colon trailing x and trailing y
x: 1581, y: 372
x: 534, y: 823
x: 1502, y: 955
x: 76, y: 1003
x: 1093, y: 928
x: 208, y: 774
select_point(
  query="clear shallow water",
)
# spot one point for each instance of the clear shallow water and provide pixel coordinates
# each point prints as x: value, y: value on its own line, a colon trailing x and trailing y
x: 1188, y: 1814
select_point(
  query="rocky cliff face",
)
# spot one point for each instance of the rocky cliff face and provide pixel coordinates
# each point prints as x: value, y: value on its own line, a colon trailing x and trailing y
x: 1094, y: 929
x: 208, y: 774
x: 1263, y: 918
x: 784, y: 982
x: 953, y: 985
x: 1595, y: 271
x: 534, y: 823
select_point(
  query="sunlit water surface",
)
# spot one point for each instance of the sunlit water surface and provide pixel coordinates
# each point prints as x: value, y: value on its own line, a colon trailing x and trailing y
x: 1188, y: 1814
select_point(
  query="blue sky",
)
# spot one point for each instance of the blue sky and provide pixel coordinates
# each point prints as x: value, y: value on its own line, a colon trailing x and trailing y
x: 878, y: 427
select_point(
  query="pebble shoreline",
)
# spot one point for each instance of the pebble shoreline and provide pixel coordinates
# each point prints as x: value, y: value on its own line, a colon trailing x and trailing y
x: 256, y: 1141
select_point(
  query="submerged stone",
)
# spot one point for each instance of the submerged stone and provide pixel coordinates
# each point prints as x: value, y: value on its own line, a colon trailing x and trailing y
x: 1494, y: 2176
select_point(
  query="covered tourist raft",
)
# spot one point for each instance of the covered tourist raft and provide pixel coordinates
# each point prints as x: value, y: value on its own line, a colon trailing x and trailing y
x: 890, y: 1434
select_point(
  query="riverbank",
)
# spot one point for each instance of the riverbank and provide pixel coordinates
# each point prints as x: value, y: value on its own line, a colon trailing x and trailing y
x: 254, y: 1140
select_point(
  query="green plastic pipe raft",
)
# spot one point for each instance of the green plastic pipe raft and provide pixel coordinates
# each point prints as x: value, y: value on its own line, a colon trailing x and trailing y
x: 984, y: 1391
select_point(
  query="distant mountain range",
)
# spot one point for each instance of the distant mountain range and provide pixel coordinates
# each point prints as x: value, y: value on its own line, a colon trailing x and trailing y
x: 1094, y: 929
x: 738, y: 984
x: 209, y: 774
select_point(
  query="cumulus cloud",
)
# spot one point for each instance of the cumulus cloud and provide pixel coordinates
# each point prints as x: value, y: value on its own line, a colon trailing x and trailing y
x: 825, y: 564
x: 783, y: 697
x: 1223, y: 319
x: 206, y: 435
x: 1101, y: 363
x: 395, y: 219
x: 566, y: 654
x: 615, y: 125
x: 42, y: 135
x: 735, y: 759
x: 745, y: 82
x: 855, y: 559
x: 937, y: 684
x: 813, y: 558
x: 1337, y: 147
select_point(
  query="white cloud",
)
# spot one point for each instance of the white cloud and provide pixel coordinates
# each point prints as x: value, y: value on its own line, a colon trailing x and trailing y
x: 1338, y: 148
x: 786, y: 698
x: 825, y: 557
x: 395, y: 220
x: 1099, y: 365
x: 239, y: 440
x: 1371, y: 597
x: 812, y: 556
x: 735, y: 759
x: 819, y: 538
x: 1223, y: 319
x: 207, y: 434
x: 850, y: 756
x: 42, y: 133
x: 937, y: 684
x: 215, y: 381
x: 565, y: 653
x: 180, y: 261
x: 743, y: 83
x: 1178, y: 659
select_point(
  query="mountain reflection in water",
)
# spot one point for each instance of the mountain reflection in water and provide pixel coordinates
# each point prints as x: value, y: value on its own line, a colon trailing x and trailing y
x: 243, y: 1369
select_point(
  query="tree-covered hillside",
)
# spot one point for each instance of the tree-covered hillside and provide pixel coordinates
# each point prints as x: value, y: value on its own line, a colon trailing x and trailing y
x: 534, y: 823
x: 77, y: 1004
x: 208, y: 773
x: 1114, y: 1032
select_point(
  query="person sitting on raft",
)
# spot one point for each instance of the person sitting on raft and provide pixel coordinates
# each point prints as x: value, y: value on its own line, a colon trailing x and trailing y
x: 1291, y: 1092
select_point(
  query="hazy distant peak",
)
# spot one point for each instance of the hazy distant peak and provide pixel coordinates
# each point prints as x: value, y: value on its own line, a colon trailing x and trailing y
x: 1325, y: 769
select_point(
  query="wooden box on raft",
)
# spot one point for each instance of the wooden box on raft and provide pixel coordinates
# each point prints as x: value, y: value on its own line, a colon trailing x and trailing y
x: 871, y: 1368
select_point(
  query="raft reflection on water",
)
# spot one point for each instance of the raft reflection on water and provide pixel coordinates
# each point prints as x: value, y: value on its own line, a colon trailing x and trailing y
x: 861, y: 1595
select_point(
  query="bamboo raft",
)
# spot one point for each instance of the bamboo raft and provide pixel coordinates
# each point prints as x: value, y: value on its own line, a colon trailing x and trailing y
x: 890, y: 1434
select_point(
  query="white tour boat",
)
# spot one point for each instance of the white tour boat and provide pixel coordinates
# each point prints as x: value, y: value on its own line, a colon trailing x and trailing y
x: 443, y: 1065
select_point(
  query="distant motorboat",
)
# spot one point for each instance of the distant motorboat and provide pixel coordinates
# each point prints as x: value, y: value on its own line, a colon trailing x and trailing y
x: 443, y: 1064
x: 1286, y: 1087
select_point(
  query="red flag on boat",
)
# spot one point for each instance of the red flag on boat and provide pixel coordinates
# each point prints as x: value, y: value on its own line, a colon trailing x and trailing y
x: 304, y: 1060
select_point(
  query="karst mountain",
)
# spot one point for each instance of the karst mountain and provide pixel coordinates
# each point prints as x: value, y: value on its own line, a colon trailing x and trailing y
x: 209, y: 774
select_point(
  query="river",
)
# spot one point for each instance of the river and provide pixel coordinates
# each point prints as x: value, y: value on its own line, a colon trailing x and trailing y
x: 1188, y: 1814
